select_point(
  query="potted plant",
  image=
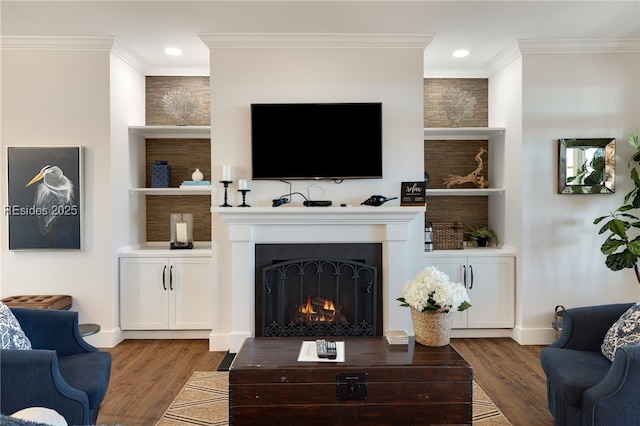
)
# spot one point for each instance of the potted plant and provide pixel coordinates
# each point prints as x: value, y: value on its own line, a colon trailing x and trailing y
x: 481, y: 235
x: 621, y: 249
x: 433, y: 298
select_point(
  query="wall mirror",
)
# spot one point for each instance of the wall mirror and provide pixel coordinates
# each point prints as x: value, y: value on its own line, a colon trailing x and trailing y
x: 587, y: 166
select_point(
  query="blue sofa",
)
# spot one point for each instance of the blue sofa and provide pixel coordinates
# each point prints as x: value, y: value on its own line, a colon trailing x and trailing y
x: 583, y: 386
x: 62, y: 371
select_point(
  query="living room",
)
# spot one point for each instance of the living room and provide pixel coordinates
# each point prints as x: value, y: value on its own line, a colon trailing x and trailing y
x: 82, y: 91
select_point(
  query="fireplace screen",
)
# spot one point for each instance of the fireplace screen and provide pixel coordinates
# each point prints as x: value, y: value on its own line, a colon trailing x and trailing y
x: 319, y: 297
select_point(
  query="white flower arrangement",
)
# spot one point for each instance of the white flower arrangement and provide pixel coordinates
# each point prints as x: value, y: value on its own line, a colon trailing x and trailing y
x: 432, y: 290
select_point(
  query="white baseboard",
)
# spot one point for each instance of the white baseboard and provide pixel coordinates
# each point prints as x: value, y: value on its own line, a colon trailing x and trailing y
x: 481, y: 332
x: 534, y: 336
x: 105, y: 338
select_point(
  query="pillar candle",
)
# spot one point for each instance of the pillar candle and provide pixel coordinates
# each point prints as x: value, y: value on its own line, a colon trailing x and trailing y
x: 242, y: 184
x: 226, y: 173
x: 181, y: 233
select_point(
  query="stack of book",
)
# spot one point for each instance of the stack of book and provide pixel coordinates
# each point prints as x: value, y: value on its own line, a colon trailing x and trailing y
x: 397, y: 337
x: 195, y: 184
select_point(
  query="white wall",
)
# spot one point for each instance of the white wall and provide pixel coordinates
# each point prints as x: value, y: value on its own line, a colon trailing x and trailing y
x: 241, y: 76
x: 61, y: 97
x: 246, y: 75
x: 127, y: 94
x: 505, y: 212
x: 581, y: 96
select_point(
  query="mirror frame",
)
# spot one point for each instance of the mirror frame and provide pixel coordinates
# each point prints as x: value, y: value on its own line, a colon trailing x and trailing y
x: 606, y: 185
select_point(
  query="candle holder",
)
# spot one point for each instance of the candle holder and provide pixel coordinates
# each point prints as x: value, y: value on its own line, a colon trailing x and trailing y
x: 244, y: 194
x: 226, y: 185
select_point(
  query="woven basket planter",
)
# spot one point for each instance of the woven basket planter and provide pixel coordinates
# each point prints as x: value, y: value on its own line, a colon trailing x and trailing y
x: 432, y: 328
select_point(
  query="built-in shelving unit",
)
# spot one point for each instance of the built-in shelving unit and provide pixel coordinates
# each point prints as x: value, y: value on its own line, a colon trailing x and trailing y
x: 468, y: 133
x: 181, y: 145
x: 488, y: 273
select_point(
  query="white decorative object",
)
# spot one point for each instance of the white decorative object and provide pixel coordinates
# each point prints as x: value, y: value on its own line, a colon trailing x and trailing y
x: 457, y: 105
x: 226, y: 173
x: 243, y: 184
x: 197, y: 176
x: 182, y: 104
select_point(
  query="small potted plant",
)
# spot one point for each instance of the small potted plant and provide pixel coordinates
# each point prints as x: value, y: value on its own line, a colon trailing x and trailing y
x: 480, y: 236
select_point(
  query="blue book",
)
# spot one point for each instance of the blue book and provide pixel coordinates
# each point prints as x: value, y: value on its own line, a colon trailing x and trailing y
x: 196, y: 183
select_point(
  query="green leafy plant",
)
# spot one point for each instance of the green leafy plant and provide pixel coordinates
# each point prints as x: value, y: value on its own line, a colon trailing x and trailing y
x: 482, y: 232
x: 621, y: 248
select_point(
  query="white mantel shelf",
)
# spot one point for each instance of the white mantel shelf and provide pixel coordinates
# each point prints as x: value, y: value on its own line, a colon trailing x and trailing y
x: 314, y: 215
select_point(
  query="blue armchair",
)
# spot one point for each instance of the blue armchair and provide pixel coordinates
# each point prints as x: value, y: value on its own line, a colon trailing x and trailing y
x: 62, y: 371
x: 583, y: 386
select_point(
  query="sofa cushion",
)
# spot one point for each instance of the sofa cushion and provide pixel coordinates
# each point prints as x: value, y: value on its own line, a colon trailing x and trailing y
x: 625, y: 331
x: 572, y: 372
x: 88, y: 372
x: 11, y: 333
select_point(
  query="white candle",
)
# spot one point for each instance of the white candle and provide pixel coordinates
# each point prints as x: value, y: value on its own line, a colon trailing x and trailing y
x: 226, y: 173
x: 181, y: 233
x: 243, y: 184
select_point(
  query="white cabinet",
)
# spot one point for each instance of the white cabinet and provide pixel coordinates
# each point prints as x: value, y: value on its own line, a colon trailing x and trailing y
x: 490, y: 282
x: 165, y: 293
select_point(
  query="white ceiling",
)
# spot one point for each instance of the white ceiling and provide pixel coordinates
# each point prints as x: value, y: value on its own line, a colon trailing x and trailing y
x: 486, y: 28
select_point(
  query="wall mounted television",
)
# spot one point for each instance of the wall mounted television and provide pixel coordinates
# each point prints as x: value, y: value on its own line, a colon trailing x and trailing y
x: 317, y: 141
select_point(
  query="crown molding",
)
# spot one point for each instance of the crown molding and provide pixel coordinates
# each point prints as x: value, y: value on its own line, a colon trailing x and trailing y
x: 580, y: 46
x: 308, y: 40
x: 503, y: 58
x: 561, y: 46
x: 437, y: 72
x: 56, y: 43
x: 129, y: 57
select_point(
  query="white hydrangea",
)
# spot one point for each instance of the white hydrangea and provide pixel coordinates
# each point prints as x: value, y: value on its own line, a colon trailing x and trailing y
x: 432, y: 290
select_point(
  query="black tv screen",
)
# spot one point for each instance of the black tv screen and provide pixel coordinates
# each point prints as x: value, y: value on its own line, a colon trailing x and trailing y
x: 316, y: 141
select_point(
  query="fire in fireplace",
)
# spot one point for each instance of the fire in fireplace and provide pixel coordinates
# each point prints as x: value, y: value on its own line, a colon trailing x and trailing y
x: 318, y: 296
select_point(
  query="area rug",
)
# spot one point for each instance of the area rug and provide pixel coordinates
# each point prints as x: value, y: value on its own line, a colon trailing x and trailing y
x: 204, y: 400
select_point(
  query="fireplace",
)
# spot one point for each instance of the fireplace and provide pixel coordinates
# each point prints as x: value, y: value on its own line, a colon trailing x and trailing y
x: 318, y: 290
x: 238, y: 231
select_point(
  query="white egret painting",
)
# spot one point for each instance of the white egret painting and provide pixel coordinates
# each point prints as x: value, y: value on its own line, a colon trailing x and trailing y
x: 44, y: 208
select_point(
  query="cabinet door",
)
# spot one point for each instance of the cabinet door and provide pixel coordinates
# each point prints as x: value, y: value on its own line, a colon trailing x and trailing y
x: 455, y: 267
x: 491, y: 292
x: 190, y: 304
x: 144, y: 300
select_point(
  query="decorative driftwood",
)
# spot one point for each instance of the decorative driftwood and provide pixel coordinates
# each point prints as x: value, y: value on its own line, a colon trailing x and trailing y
x: 474, y: 177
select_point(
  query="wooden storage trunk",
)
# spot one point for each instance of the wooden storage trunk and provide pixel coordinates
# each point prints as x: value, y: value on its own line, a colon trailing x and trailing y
x: 377, y: 384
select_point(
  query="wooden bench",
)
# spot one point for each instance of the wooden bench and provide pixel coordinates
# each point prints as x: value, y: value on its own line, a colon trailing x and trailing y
x: 56, y: 302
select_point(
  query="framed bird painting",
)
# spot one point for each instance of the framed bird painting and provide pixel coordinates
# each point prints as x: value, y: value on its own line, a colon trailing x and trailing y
x: 45, y: 197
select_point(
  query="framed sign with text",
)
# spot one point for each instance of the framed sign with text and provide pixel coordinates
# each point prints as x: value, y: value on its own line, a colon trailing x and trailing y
x: 412, y: 194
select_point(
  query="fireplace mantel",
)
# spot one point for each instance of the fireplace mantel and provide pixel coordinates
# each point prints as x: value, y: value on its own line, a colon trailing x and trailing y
x: 317, y: 215
x: 397, y: 228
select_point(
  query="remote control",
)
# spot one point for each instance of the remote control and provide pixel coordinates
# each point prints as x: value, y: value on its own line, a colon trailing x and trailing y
x: 326, y: 349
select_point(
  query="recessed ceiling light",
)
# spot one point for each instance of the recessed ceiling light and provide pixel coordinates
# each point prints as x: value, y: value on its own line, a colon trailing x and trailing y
x: 460, y: 53
x: 173, y: 51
